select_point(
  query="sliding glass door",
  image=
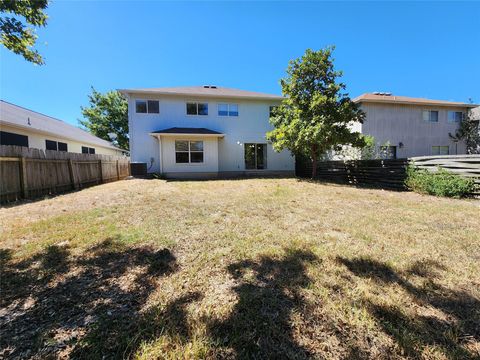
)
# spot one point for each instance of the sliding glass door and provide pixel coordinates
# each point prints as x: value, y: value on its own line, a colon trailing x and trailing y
x: 255, y: 156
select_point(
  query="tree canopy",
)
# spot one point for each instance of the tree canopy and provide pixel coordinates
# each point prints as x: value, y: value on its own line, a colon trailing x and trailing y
x: 15, y: 32
x: 316, y: 114
x: 469, y: 132
x: 107, y: 114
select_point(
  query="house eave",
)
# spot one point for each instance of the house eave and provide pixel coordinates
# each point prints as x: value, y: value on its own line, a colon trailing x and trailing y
x: 426, y: 103
x: 186, y: 135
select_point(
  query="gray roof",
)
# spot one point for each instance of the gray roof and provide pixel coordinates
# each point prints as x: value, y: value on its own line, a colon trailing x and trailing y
x: 183, y: 130
x: 204, y: 91
x: 18, y: 116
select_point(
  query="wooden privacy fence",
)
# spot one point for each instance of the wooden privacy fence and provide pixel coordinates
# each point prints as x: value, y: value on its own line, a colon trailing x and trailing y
x: 387, y: 174
x: 27, y: 173
x: 463, y: 165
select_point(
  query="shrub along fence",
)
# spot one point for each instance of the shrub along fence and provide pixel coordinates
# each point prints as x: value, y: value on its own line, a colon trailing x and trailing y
x: 467, y: 166
x: 387, y: 174
x: 27, y: 173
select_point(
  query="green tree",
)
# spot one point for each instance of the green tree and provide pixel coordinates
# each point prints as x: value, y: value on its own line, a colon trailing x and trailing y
x: 316, y: 114
x: 16, y: 34
x: 469, y: 132
x: 107, y: 115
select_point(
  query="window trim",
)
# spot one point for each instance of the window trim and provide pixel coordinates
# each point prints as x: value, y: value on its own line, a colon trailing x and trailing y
x: 429, y: 115
x: 266, y: 156
x: 146, y: 105
x: 455, y: 112
x: 89, y: 150
x: 189, y: 152
x: 228, y: 109
x: 439, y: 147
x: 20, y: 138
x: 64, y: 143
x: 52, y: 142
x: 196, y: 103
x: 384, y: 149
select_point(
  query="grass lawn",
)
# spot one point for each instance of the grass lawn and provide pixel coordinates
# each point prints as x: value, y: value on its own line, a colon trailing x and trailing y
x: 258, y: 268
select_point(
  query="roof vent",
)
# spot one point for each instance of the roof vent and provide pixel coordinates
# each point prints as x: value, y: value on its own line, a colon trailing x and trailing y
x: 210, y: 86
x: 382, y: 93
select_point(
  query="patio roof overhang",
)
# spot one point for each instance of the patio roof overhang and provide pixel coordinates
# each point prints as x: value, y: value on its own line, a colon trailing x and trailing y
x: 181, y: 131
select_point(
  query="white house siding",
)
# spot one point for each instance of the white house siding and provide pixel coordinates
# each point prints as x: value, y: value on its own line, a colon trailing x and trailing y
x: 249, y: 127
x: 210, y: 157
x: 37, y: 140
x: 404, y: 124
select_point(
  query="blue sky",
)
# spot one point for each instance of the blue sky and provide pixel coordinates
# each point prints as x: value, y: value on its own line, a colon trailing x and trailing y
x: 423, y: 49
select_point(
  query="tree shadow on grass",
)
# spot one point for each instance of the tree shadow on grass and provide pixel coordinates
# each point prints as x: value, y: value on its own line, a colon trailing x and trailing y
x: 90, y: 306
x: 458, y: 325
x: 260, y: 325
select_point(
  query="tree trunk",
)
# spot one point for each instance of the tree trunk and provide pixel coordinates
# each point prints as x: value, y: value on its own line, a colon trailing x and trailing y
x: 314, y: 161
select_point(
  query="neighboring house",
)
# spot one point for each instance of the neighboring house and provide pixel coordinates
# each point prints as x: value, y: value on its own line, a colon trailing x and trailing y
x: 412, y: 126
x: 23, y: 127
x: 203, y: 131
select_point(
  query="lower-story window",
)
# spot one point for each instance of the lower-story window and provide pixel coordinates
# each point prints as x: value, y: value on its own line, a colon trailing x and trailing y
x: 255, y: 156
x: 440, y: 150
x: 388, y: 152
x: 187, y: 151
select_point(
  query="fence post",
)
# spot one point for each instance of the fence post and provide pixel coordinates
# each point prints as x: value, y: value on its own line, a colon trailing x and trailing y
x: 23, y: 172
x: 101, y: 171
x: 118, y: 170
x: 72, y: 175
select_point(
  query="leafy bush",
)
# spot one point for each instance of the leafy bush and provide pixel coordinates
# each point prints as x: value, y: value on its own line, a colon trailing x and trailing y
x: 440, y: 183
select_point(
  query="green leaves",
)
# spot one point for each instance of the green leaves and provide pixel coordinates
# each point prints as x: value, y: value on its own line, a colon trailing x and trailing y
x: 108, y: 113
x: 17, y: 36
x: 316, y: 115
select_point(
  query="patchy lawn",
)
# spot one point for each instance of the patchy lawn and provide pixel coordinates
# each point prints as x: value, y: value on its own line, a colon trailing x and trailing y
x: 258, y: 268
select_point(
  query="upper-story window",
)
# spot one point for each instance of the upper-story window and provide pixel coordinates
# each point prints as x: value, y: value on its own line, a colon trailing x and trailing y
x: 194, y: 108
x: 147, y: 106
x: 455, y: 116
x: 228, y: 109
x: 430, y: 115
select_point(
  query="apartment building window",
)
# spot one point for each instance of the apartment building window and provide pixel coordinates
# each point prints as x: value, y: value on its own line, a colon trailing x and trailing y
x: 455, y: 116
x: 188, y: 151
x: 147, y: 106
x: 55, y: 145
x: 8, y: 138
x: 430, y: 115
x: 440, y: 150
x: 388, y: 152
x: 194, y: 108
x: 88, y: 150
x: 227, y: 109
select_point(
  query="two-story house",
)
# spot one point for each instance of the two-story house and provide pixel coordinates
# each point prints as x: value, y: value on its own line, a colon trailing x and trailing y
x: 203, y: 131
x: 412, y: 126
